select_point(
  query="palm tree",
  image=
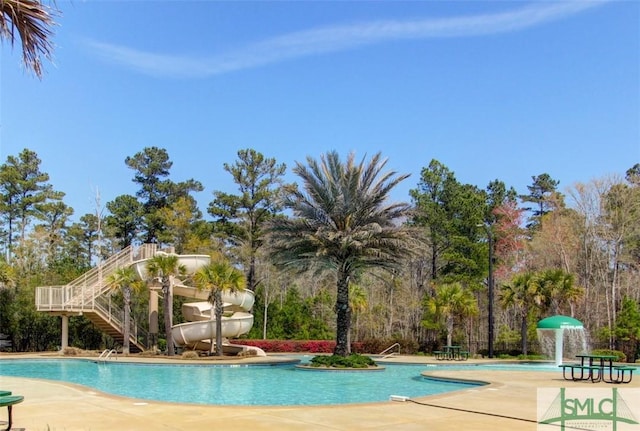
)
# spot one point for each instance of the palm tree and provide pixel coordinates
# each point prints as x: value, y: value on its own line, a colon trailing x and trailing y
x: 33, y: 21
x: 219, y: 276
x: 7, y: 275
x: 342, y: 222
x: 524, y: 292
x: 357, y: 303
x: 559, y: 288
x: 165, y: 267
x: 451, y: 300
x: 126, y: 281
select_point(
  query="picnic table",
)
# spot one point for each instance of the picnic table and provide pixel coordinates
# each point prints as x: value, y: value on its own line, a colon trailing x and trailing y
x: 597, y: 368
x: 451, y: 353
x: 7, y: 400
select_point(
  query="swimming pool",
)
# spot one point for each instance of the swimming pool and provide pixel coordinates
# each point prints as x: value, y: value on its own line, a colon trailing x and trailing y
x: 498, y: 366
x: 229, y: 385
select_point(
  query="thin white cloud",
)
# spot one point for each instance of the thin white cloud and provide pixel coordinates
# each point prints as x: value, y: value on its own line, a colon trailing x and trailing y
x: 337, y: 38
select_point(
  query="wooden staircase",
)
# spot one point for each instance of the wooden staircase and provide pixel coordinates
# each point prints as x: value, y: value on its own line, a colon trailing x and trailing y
x: 115, y: 331
x: 89, y: 295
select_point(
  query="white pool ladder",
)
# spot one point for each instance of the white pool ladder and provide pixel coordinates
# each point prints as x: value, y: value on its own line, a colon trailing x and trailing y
x: 388, y: 355
x: 106, y: 354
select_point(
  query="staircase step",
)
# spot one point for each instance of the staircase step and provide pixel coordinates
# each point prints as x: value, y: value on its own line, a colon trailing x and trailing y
x: 112, y: 331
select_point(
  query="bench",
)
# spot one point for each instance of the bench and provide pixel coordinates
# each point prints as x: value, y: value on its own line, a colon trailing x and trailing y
x: 621, y: 370
x: 440, y: 355
x: 9, y: 401
x: 593, y: 372
x: 566, y: 367
x: 460, y: 355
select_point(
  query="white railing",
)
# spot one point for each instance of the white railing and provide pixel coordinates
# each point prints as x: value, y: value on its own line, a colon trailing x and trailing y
x: 91, y: 285
x: 115, y: 316
x: 89, y: 292
x: 81, y: 293
x: 106, y: 353
x: 394, y: 345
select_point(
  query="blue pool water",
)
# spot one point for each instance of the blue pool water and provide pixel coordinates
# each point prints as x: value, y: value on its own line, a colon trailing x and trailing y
x: 505, y: 366
x: 229, y: 385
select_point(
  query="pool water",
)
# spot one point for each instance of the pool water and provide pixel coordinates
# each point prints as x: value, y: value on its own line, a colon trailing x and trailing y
x: 234, y: 385
x: 507, y: 366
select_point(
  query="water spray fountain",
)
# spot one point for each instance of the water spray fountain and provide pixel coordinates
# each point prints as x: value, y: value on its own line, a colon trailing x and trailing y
x: 552, y: 330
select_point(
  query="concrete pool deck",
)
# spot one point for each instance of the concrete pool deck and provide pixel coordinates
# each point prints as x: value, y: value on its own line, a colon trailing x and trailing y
x: 507, y: 403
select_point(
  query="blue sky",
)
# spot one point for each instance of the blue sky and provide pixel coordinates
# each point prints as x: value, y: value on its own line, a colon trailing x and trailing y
x: 493, y: 90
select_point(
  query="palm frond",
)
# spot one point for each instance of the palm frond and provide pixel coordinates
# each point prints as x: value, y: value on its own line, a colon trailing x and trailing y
x: 342, y: 218
x: 33, y: 22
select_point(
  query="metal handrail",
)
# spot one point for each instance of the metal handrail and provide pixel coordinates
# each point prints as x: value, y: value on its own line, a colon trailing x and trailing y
x: 389, y: 348
x: 106, y: 353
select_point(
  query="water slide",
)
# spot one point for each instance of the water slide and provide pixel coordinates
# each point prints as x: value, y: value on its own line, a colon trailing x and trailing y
x: 200, y: 329
x: 199, y: 332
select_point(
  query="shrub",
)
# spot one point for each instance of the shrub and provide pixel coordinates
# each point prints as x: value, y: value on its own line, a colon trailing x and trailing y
x: 620, y: 356
x: 532, y: 357
x: 371, y: 346
x: 190, y: 354
x: 377, y: 345
x: 374, y: 345
x: 162, y: 344
x: 74, y: 351
x: 335, y: 361
x: 247, y: 353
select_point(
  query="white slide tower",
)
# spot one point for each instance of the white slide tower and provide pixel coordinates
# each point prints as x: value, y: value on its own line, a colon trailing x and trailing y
x: 199, y: 332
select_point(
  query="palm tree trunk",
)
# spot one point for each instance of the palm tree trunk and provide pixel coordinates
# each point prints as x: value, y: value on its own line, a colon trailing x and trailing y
x: 218, y: 311
x: 343, y: 316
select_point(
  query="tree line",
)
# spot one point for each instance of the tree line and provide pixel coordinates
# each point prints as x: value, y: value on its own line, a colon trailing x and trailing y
x: 331, y: 256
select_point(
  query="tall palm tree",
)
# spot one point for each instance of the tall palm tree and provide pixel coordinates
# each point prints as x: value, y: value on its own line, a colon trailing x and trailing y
x: 341, y: 222
x: 524, y: 293
x: 451, y: 300
x: 219, y: 276
x: 32, y: 20
x: 126, y: 281
x: 165, y: 267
